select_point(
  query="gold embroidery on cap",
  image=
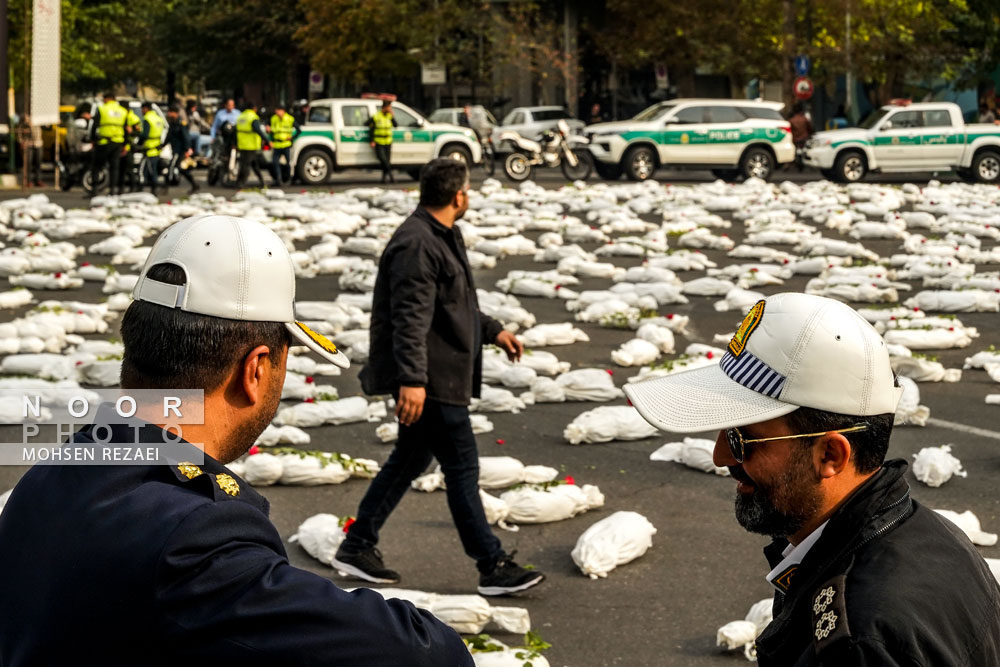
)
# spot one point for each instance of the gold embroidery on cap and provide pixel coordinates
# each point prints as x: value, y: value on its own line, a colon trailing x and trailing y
x: 319, y: 339
x: 747, y: 327
x: 189, y: 470
x: 228, y: 484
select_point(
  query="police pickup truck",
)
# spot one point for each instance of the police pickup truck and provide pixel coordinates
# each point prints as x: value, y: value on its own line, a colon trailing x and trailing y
x: 929, y: 136
x: 335, y: 136
x: 732, y: 138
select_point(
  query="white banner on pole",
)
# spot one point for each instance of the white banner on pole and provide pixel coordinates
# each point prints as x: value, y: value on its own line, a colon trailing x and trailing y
x: 45, y: 57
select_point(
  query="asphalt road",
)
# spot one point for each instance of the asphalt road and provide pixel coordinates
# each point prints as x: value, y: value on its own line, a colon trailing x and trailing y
x: 703, y: 569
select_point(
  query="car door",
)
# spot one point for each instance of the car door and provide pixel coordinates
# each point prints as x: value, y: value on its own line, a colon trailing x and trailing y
x: 728, y: 131
x: 354, y: 137
x: 412, y: 143
x: 897, y: 142
x: 684, y: 136
x: 940, y: 141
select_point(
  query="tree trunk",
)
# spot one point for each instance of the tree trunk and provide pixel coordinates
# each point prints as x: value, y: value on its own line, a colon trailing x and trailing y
x: 788, y: 54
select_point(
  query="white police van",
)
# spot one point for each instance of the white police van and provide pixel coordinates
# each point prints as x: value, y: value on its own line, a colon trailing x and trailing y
x: 732, y: 138
x: 335, y: 136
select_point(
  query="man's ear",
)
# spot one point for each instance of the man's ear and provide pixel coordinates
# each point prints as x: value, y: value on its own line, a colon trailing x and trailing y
x: 832, y: 455
x: 253, y: 372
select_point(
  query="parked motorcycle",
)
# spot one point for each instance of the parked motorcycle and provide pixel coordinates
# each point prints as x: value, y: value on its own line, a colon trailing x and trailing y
x: 224, y: 167
x: 557, y: 148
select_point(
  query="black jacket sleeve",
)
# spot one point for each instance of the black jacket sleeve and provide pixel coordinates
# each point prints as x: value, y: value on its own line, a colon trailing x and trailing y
x: 489, y: 328
x: 412, y: 289
x: 259, y: 129
x: 224, y: 589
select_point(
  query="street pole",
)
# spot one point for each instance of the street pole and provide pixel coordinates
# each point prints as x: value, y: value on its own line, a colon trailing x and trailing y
x: 26, y: 105
x: 437, y: 86
x: 851, y: 112
x: 4, y: 72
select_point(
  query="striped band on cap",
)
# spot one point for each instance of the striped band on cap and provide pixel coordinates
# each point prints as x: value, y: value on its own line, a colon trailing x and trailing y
x: 753, y: 373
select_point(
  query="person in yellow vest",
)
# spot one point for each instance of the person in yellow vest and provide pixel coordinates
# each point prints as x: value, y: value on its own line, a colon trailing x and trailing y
x: 250, y: 138
x: 111, y: 123
x: 381, y: 125
x: 150, y: 142
x: 284, y: 129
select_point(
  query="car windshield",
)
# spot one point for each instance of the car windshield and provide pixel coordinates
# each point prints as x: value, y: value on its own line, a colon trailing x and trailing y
x: 873, y: 117
x: 550, y: 114
x: 654, y: 112
x: 440, y: 116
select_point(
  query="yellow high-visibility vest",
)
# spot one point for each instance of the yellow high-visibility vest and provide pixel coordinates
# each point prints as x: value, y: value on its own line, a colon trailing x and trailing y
x: 246, y: 138
x: 382, y: 132
x: 282, y: 129
x: 155, y: 136
x: 113, y: 118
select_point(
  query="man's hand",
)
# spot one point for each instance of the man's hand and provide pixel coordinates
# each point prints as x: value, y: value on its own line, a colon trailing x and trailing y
x: 372, y: 144
x: 410, y: 405
x: 509, y: 343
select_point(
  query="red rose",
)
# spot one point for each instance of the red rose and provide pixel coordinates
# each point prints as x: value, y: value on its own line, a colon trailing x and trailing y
x: 309, y: 379
x: 500, y: 441
x: 348, y: 523
x: 253, y: 450
x: 310, y: 400
x: 570, y: 480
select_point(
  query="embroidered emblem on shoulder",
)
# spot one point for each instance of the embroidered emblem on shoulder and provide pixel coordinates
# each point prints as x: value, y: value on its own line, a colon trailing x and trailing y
x: 829, y: 615
x: 189, y: 470
x: 228, y: 484
x: 826, y: 624
x: 747, y: 327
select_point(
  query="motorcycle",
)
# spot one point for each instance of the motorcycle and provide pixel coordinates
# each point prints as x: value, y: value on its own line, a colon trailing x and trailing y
x: 556, y: 149
x: 224, y: 167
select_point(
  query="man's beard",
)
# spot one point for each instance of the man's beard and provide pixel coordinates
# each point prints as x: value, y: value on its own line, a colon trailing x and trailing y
x: 245, y: 434
x: 779, y: 507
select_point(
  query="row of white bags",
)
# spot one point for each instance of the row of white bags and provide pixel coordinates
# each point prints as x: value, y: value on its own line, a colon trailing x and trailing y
x: 294, y: 467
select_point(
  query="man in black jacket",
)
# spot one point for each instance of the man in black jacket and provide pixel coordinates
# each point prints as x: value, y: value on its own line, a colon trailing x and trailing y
x: 426, y: 350
x: 804, y: 400
x: 180, y: 144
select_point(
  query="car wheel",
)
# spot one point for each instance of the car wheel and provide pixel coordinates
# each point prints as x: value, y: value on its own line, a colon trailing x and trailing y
x: 314, y: 166
x: 640, y: 163
x: 850, y: 167
x: 757, y: 163
x: 986, y: 167
x: 459, y: 153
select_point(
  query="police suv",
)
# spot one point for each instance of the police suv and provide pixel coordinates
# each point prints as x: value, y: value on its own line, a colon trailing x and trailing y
x: 732, y: 138
x: 335, y: 136
x: 929, y: 136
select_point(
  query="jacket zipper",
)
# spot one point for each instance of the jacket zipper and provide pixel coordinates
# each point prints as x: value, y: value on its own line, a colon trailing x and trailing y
x: 884, y: 528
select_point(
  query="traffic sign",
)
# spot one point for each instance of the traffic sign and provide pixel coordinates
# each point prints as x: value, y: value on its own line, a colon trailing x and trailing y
x: 315, y: 82
x: 803, y: 88
x: 802, y: 65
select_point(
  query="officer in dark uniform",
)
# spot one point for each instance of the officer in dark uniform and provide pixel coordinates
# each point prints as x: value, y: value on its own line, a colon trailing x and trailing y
x: 177, y: 563
x: 804, y: 399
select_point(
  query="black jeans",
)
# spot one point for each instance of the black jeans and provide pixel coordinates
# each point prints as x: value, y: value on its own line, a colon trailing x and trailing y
x: 384, y: 154
x: 281, y: 173
x: 249, y: 160
x: 443, y: 432
x: 107, y: 154
x: 152, y: 168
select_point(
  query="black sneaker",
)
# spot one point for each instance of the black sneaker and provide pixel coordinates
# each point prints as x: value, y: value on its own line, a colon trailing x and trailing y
x: 508, y: 577
x: 365, y: 565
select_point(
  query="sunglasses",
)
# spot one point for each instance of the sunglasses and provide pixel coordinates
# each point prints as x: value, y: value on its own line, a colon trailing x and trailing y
x: 737, y: 443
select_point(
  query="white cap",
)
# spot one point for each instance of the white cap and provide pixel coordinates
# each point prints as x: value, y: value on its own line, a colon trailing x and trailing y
x: 792, y: 350
x: 237, y: 269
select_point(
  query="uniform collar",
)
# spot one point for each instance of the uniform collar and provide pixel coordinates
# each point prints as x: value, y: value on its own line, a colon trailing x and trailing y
x: 781, y: 574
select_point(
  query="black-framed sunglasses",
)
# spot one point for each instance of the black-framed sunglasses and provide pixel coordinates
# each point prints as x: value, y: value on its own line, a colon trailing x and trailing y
x: 737, y: 443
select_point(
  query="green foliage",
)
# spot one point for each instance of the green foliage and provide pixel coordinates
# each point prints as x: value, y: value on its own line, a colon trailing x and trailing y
x: 325, y: 458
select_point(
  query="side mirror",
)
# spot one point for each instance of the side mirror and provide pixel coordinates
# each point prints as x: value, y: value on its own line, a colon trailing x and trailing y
x: 887, y: 125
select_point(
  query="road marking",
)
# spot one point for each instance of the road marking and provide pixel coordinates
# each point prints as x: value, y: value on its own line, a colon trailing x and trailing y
x: 955, y: 426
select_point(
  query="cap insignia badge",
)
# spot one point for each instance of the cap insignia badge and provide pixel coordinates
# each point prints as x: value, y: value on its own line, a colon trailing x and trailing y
x: 747, y: 327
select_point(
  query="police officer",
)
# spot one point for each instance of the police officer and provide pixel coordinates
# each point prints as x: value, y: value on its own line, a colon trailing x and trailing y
x: 381, y: 125
x: 284, y: 130
x: 249, y: 140
x: 804, y: 401
x: 150, y: 141
x: 111, y: 123
x: 175, y: 562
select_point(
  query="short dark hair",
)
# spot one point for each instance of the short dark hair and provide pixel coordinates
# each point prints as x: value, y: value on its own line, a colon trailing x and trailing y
x: 145, y: 105
x: 168, y: 348
x: 109, y: 96
x: 249, y: 104
x: 868, y: 447
x: 440, y: 180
